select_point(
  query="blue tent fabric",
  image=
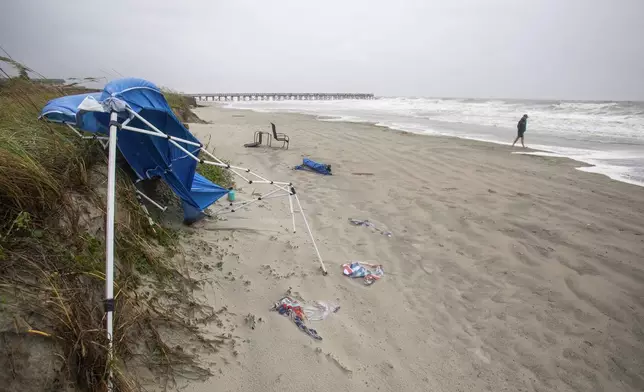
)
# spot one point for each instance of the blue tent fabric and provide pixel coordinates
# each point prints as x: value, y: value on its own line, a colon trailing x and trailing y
x: 149, y: 156
x: 202, y: 192
x: 64, y: 109
x: 317, y: 167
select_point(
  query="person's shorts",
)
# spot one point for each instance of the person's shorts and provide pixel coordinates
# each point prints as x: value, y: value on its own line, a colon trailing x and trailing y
x: 521, y: 133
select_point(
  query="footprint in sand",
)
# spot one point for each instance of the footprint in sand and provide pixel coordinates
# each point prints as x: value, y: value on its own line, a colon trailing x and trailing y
x: 332, y: 358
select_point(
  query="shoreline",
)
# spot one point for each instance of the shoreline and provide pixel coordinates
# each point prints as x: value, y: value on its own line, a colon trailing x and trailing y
x: 584, y: 167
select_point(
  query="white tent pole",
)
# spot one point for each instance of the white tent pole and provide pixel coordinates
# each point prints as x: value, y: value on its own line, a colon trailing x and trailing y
x: 271, y: 182
x: 274, y: 196
x: 154, y: 203
x: 239, y: 175
x: 236, y: 204
x: 222, y: 162
x: 245, y: 203
x: 109, y: 244
x: 297, y: 199
x: 290, y: 204
x: 76, y: 131
x: 235, y: 208
x: 145, y: 131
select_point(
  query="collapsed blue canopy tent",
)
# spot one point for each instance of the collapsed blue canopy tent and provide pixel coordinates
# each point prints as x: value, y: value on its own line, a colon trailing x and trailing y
x: 133, y: 116
x: 149, y: 157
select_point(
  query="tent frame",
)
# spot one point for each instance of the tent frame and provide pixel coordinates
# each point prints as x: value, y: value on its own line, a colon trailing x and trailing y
x: 286, y: 187
x: 282, y: 189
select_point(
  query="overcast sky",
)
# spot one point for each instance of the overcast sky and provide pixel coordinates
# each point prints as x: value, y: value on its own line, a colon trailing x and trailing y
x: 575, y: 49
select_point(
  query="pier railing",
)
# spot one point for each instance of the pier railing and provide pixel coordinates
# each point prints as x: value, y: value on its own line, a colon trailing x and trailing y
x: 277, y: 96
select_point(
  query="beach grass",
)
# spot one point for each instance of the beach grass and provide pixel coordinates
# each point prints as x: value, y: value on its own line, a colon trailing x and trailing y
x: 52, y: 210
x: 219, y: 175
x: 182, y: 105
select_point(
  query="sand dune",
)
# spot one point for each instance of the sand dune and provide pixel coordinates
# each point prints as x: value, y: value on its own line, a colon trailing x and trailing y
x: 504, y: 272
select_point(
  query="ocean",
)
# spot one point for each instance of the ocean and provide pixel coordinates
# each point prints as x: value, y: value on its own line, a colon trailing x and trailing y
x: 609, y: 136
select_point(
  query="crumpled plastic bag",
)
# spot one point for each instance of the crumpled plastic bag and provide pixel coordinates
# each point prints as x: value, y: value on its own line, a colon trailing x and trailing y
x: 319, y: 310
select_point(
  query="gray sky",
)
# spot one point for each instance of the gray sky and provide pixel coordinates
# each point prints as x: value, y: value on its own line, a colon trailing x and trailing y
x: 575, y: 49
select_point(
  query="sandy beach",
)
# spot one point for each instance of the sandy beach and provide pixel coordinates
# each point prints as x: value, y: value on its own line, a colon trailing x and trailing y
x: 504, y: 272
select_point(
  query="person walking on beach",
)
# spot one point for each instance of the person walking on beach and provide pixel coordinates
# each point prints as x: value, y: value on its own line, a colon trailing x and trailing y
x: 521, y: 127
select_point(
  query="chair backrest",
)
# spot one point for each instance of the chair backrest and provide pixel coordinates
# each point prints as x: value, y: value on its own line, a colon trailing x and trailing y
x: 274, y: 130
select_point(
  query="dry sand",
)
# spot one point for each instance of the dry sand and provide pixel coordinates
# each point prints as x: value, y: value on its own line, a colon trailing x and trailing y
x: 505, y: 272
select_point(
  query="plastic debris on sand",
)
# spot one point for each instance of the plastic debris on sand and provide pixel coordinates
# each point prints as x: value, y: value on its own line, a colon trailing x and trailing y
x: 358, y: 269
x: 299, y: 312
x: 367, y: 223
x: 319, y: 310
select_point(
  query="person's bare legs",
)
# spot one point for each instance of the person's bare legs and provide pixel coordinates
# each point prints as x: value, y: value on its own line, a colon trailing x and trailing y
x: 516, y: 140
x: 523, y: 145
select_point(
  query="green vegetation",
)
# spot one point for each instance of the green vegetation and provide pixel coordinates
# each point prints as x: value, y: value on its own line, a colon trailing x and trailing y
x: 52, y: 203
x: 219, y: 175
x: 181, y: 106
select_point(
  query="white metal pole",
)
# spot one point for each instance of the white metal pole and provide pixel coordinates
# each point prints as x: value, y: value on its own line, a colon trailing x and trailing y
x: 297, y: 199
x: 86, y: 137
x: 246, y: 203
x: 220, y: 161
x: 75, y: 130
x: 276, y: 183
x: 290, y: 203
x: 109, y: 244
x: 274, y: 196
x: 154, y: 203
